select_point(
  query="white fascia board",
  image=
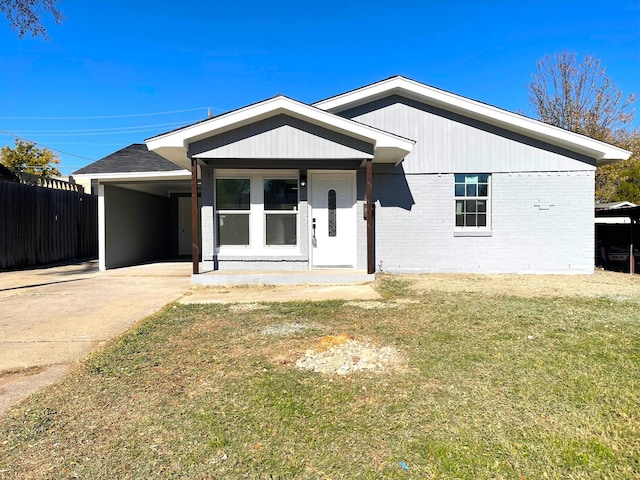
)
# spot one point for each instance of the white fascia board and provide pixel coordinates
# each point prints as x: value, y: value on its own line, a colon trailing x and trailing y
x: 603, y: 152
x: 612, y: 220
x: 168, y: 175
x: 174, y: 145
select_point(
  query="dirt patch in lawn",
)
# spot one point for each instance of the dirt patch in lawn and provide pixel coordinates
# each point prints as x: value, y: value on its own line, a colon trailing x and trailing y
x: 338, y: 354
x: 612, y: 285
x: 343, y: 355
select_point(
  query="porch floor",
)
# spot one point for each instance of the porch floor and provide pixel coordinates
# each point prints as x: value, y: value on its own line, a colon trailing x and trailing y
x: 283, y: 277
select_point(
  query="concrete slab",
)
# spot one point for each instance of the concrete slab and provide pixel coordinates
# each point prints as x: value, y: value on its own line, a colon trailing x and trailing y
x: 270, y: 293
x: 324, y: 276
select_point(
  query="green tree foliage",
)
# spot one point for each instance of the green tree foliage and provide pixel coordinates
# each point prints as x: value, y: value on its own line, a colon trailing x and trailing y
x: 581, y: 98
x: 25, y: 16
x: 621, y: 181
x: 27, y: 158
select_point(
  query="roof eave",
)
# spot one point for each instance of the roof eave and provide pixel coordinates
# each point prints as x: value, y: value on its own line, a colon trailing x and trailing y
x: 602, y: 152
x: 115, y: 176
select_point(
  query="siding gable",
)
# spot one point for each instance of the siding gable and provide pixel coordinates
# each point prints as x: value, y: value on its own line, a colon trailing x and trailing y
x: 447, y: 142
x: 281, y: 137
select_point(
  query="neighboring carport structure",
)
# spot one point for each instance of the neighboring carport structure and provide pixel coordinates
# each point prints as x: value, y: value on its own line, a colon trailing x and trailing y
x: 144, y: 207
x: 633, y: 214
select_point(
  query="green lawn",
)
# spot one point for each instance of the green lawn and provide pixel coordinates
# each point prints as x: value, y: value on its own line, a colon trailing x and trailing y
x: 492, y: 386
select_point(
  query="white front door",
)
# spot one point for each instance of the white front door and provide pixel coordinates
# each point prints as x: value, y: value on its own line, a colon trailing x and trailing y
x: 184, y: 226
x: 333, y: 219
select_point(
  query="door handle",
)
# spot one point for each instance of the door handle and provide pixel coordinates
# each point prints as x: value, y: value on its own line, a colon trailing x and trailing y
x: 313, y: 227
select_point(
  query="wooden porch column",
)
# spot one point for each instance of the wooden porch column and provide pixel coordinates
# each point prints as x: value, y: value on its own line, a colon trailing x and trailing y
x: 632, y: 259
x: 371, y: 263
x: 195, y: 251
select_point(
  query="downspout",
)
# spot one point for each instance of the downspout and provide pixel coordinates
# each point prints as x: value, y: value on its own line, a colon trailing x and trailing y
x: 195, y: 250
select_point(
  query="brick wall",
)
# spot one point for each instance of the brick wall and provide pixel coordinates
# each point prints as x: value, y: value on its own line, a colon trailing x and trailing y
x: 540, y: 223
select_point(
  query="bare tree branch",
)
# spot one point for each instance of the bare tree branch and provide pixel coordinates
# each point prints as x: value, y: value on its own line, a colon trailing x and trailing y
x: 579, y: 97
x: 25, y: 16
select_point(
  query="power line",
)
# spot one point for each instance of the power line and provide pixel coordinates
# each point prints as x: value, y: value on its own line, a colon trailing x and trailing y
x: 97, y: 117
x: 44, y: 146
x: 141, y: 130
x: 131, y: 129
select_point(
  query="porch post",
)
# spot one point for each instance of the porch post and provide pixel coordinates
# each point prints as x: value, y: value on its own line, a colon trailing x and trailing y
x: 371, y: 267
x: 632, y: 259
x: 195, y: 254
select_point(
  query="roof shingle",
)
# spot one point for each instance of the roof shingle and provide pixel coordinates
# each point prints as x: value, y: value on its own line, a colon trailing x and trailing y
x: 134, y: 158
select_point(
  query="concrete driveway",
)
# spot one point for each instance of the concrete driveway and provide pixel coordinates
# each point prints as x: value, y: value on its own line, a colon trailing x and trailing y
x: 50, y: 317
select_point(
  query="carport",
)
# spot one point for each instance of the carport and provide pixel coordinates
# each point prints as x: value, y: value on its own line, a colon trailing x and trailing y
x: 623, y: 233
x: 144, y: 207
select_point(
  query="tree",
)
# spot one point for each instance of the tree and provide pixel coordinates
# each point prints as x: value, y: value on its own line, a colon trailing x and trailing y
x: 25, y: 16
x: 621, y: 181
x: 581, y: 98
x: 27, y: 158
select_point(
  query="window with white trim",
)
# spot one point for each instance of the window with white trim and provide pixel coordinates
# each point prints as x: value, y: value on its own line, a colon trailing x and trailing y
x: 233, y: 207
x: 472, y: 200
x: 256, y: 212
x: 280, y: 211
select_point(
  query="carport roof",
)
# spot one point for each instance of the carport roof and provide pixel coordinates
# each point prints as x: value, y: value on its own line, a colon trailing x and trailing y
x: 135, y: 158
x: 629, y: 212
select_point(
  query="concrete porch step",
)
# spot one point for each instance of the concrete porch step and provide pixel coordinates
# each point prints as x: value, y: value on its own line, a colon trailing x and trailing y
x: 284, y: 277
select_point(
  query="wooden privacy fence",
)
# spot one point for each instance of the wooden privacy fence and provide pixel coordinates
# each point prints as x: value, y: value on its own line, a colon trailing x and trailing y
x: 40, y: 225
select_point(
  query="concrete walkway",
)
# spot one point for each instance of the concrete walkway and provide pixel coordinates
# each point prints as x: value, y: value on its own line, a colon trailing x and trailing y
x: 52, y: 317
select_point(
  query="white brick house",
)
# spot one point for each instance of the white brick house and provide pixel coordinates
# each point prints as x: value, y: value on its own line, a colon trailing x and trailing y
x: 396, y: 175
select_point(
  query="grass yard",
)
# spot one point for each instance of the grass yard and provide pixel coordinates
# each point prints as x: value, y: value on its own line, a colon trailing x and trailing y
x: 514, y: 385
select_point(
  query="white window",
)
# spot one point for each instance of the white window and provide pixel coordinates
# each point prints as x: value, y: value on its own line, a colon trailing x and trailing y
x: 280, y: 211
x: 472, y: 197
x: 256, y: 212
x: 233, y: 207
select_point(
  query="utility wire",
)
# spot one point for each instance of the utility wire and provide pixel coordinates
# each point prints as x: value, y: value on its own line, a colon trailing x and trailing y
x: 44, y: 146
x: 114, y: 116
x: 132, y: 129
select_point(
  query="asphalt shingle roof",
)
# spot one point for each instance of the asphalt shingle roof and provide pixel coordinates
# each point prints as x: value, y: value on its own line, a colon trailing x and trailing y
x: 134, y: 158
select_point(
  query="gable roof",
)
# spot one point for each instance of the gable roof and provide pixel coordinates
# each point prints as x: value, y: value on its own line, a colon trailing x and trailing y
x: 135, y: 158
x: 398, y: 85
x: 173, y: 145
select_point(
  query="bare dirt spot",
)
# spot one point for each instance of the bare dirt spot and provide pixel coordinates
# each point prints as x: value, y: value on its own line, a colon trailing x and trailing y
x: 286, y: 329
x: 247, y: 307
x: 371, y: 305
x: 375, y: 304
x: 342, y: 355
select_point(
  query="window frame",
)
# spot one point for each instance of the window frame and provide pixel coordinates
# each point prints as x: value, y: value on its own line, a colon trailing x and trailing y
x: 473, y: 230
x: 286, y: 212
x: 229, y: 211
x: 257, y: 214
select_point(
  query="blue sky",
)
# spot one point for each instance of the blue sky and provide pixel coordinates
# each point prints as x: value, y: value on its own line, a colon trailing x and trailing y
x: 129, y: 61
